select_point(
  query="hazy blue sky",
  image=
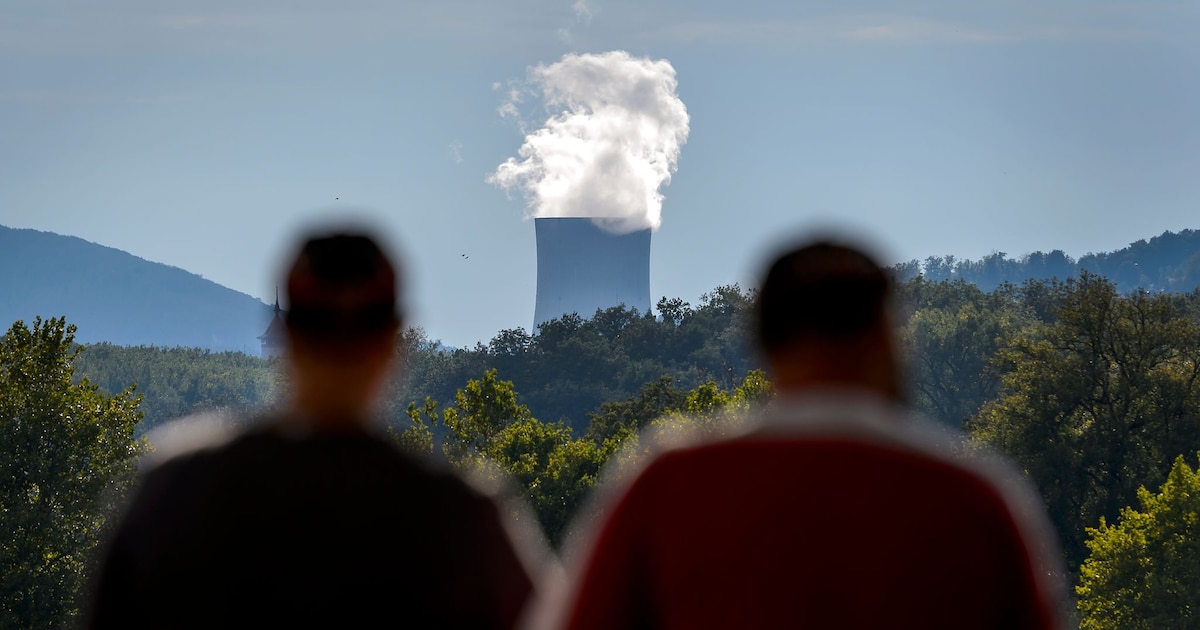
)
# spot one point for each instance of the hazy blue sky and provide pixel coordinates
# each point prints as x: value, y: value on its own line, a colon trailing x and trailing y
x: 202, y: 134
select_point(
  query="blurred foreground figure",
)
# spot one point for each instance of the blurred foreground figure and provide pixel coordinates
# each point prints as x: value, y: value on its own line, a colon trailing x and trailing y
x: 834, y: 510
x: 314, y: 518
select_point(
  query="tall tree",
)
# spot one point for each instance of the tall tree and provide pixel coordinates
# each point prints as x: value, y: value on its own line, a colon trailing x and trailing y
x: 1095, y: 401
x: 66, y: 454
x: 1144, y: 569
x: 480, y: 412
x: 950, y: 352
x: 651, y: 401
x: 487, y: 425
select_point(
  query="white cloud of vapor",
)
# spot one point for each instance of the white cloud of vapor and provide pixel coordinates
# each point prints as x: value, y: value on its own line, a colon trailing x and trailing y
x: 611, y: 141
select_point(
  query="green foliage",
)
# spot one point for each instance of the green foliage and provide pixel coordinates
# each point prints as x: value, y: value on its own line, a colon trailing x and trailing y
x: 574, y: 365
x: 1144, y: 571
x: 651, y: 401
x: 65, y: 461
x: 709, y: 408
x: 706, y: 399
x: 673, y: 311
x: 417, y: 435
x: 1164, y: 263
x: 487, y: 426
x: 755, y: 390
x: 556, y: 470
x: 953, y: 332
x: 707, y: 411
x: 481, y: 411
x: 1093, y: 401
x: 175, y: 382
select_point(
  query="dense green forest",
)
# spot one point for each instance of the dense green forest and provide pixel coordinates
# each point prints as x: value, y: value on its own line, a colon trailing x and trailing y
x: 1093, y: 391
x: 1167, y: 262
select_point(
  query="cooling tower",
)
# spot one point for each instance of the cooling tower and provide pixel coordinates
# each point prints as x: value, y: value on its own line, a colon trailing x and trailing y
x: 581, y: 268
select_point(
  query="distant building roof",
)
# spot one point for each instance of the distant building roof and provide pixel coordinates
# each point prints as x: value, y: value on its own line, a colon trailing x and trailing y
x: 274, y: 340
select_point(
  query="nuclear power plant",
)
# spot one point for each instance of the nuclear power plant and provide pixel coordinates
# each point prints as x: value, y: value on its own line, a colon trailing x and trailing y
x: 581, y: 268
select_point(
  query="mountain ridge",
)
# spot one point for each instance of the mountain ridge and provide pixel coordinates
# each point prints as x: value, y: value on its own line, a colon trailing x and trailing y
x: 52, y: 275
x: 1169, y: 262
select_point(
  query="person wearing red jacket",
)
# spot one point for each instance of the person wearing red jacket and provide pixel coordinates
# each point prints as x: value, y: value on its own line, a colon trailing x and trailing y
x: 836, y: 508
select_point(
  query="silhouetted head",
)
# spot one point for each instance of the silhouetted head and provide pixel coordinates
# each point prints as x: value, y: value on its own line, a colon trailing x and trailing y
x: 341, y: 288
x: 342, y: 321
x: 823, y: 318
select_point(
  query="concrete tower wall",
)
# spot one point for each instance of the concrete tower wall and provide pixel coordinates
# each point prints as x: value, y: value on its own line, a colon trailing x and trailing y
x: 581, y: 268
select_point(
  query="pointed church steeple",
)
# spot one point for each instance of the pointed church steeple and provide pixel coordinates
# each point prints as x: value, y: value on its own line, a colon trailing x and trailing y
x: 274, y: 340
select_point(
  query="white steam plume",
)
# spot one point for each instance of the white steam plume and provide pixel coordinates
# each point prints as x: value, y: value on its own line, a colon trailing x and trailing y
x: 612, y: 140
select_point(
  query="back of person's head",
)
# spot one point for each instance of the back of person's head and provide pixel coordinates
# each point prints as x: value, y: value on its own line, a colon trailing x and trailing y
x: 341, y: 288
x: 821, y: 290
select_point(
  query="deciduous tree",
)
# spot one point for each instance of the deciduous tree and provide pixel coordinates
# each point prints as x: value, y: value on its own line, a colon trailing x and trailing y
x: 488, y: 426
x: 1095, y: 401
x: 1144, y: 569
x: 950, y: 350
x: 66, y: 454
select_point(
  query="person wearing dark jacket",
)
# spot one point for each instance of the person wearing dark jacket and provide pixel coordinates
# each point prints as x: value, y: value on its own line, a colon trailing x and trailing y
x: 314, y: 517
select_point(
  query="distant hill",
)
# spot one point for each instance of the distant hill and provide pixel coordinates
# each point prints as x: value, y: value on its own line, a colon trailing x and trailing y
x: 1169, y: 262
x: 117, y: 297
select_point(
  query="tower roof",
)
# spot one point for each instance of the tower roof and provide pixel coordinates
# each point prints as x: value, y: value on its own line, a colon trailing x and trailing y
x: 276, y: 332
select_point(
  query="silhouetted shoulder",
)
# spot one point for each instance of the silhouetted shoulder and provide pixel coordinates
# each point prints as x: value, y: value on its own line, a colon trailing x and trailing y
x: 335, y: 528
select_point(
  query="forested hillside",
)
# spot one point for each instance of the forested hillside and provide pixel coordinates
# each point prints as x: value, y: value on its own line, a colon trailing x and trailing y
x: 118, y: 298
x: 1168, y: 262
x: 174, y: 382
x: 1045, y: 356
x: 573, y: 365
